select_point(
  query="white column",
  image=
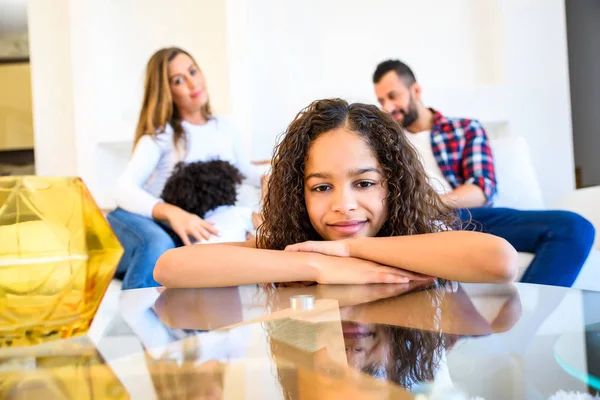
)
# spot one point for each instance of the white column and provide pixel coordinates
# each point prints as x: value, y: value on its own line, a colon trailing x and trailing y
x: 237, y: 55
x: 52, y: 87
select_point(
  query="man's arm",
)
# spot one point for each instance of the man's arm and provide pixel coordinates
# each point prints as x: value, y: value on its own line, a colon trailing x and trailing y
x: 465, y: 196
x: 477, y: 165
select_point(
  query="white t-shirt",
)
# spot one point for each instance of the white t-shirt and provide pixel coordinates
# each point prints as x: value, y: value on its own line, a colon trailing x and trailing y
x: 232, y: 222
x: 421, y: 141
x: 152, y: 162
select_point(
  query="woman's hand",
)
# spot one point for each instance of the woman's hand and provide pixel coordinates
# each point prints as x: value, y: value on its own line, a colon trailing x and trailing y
x: 187, y: 225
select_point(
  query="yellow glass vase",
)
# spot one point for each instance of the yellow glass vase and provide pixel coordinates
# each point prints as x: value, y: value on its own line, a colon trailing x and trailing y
x: 57, y: 256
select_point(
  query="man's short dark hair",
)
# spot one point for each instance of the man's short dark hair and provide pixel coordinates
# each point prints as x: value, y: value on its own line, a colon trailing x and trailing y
x: 402, y: 70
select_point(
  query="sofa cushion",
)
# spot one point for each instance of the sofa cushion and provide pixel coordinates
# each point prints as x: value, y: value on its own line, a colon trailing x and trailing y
x: 523, y: 262
x: 586, y: 203
x: 518, y: 186
x: 248, y: 196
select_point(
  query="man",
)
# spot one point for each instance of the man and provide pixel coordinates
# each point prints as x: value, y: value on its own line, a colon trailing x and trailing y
x: 456, y: 155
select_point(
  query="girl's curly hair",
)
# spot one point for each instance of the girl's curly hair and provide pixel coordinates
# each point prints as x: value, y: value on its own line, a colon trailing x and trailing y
x: 413, y: 206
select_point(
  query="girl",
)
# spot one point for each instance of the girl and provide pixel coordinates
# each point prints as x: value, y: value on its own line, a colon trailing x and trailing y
x: 175, y: 124
x: 347, y: 202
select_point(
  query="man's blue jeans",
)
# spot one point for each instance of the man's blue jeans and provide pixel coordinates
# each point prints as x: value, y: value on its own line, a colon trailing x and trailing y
x: 144, y: 240
x: 561, y: 240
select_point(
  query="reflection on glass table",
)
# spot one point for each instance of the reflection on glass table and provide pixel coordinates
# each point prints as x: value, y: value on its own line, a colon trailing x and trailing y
x: 66, y: 369
x: 419, y: 340
x: 571, y: 359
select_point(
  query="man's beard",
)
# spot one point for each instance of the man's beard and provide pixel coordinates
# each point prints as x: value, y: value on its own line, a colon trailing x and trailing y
x: 411, y: 115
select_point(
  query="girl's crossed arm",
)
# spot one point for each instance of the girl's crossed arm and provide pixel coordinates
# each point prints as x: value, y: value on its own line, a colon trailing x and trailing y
x: 232, y: 264
x: 463, y: 256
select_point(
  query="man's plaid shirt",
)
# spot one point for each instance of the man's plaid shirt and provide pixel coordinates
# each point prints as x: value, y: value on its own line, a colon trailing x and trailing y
x: 461, y: 149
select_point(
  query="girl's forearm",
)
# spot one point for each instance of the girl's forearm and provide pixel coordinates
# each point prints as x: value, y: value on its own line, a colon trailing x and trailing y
x: 217, y: 265
x: 459, y: 255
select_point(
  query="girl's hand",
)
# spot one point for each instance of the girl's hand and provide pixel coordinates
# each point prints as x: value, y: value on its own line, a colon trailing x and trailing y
x: 350, y: 270
x: 340, y: 248
x: 336, y: 248
x: 187, y: 225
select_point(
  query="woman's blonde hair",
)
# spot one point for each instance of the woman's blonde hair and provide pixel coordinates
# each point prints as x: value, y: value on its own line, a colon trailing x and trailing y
x: 158, y: 108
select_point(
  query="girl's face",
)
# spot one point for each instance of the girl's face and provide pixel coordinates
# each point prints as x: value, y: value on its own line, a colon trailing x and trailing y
x: 188, y: 87
x: 365, y: 345
x: 344, y: 187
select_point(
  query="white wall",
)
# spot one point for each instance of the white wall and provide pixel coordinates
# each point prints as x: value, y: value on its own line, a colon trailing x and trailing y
x: 583, y: 23
x: 13, y: 17
x: 502, y: 61
x: 333, y: 52
x: 538, y: 84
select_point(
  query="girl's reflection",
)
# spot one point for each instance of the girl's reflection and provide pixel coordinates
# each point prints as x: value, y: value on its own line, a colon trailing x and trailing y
x: 393, y: 333
x: 406, y: 353
x: 401, y: 355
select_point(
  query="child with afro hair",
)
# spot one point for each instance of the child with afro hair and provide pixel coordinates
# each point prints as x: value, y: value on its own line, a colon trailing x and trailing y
x: 209, y: 189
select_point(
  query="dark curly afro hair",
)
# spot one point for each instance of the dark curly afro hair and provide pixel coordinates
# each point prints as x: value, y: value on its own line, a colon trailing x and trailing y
x: 202, y: 186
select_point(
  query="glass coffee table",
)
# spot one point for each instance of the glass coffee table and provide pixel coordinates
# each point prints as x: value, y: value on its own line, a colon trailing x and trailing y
x: 418, y: 340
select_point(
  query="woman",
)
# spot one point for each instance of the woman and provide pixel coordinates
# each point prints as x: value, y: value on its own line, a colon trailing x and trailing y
x: 175, y: 124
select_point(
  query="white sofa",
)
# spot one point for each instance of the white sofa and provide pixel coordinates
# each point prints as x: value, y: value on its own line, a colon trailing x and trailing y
x: 518, y: 188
